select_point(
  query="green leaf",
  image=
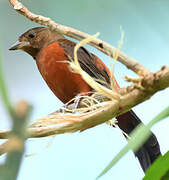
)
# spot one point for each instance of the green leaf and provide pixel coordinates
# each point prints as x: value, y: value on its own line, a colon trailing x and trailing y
x: 3, y: 90
x: 159, y: 169
x: 138, y: 137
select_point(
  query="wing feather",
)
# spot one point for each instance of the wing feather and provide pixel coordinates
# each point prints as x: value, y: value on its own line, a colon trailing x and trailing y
x: 88, y: 61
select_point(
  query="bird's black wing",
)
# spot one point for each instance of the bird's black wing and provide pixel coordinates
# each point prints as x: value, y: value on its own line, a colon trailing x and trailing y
x: 86, y: 60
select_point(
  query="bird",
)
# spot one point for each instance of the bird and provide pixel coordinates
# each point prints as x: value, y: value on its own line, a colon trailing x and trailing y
x: 52, y: 53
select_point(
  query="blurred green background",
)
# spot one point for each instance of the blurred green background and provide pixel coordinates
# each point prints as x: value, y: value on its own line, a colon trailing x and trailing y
x: 83, y: 155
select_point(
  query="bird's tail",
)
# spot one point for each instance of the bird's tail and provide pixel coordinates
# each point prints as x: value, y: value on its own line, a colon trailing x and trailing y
x: 150, y: 150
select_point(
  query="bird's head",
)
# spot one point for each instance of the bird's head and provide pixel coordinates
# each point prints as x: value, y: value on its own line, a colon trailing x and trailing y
x: 33, y: 40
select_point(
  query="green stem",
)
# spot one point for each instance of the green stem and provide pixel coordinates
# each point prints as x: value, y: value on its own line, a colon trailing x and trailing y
x: 9, y: 170
x: 3, y: 90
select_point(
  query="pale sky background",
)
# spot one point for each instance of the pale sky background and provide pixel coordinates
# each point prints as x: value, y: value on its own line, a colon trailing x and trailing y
x: 82, y: 156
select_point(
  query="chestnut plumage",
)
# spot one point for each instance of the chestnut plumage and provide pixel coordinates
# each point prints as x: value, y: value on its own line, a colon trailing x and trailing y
x: 52, y: 52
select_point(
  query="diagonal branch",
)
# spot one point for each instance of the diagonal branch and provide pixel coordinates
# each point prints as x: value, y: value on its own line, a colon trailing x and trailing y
x: 141, y: 89
x: 58, y: 123
x: 106, y: 48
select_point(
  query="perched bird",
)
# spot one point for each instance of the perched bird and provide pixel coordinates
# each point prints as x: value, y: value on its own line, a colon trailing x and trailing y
x: 51, y: 52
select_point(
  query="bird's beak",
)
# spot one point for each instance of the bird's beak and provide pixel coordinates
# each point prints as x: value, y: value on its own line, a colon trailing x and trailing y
x: 19, y: 45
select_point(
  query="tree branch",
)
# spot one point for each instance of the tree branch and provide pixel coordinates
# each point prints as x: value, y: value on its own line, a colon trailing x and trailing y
x: 141, y: 89
x: 57, y: 123
x: 68, y: 31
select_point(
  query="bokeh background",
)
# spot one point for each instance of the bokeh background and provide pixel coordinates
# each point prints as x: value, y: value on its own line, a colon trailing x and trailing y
x: 82, y: 156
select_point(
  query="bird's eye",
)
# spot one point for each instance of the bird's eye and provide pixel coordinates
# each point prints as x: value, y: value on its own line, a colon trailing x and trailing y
x: 31, y: 35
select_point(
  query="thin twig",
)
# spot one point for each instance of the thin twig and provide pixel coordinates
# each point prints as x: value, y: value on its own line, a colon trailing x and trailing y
x: 71, y: 32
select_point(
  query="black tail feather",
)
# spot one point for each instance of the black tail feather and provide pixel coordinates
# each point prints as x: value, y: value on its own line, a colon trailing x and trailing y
x: 150, y: 150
